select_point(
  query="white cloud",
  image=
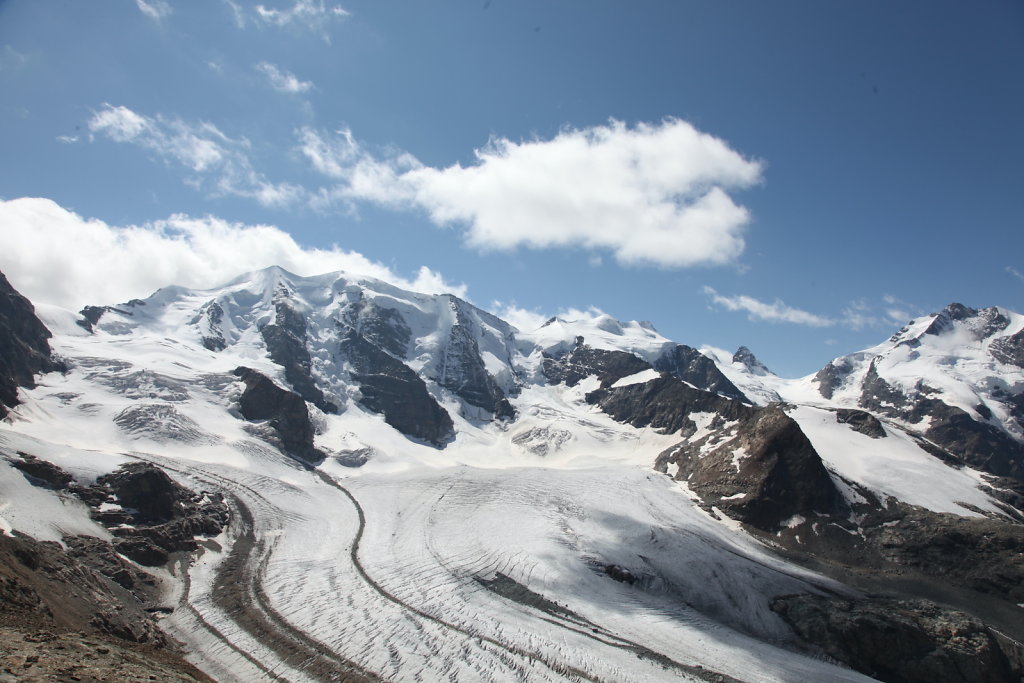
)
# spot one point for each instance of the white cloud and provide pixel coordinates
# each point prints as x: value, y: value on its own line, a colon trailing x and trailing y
x: 899, y: 311
x: 527, y: 320
x: 653, y: 194
x: 363, y: 176
x: 898, y: 315
x: 237, y: 12
x: 858, y: 315
x: 218, y: 163
x: 520, y: 318
x: 55, y: 256
x: 156, y: 10
x: 1014, y: 272
x: 312, y: 15
x: 67, y: 139
x: 772, y: 312
x: 282, y: 80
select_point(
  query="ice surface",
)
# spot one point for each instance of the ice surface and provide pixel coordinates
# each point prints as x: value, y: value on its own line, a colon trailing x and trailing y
x: 487, y: 560
x: 894, y: 466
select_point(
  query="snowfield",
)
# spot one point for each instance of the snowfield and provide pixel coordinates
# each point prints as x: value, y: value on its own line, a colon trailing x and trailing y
x: 545, y: 549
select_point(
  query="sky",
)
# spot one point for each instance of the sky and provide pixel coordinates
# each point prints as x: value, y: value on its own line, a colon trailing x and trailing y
x: 799, y: 177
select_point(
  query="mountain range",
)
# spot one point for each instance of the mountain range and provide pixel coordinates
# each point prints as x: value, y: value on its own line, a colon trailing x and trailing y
x: 333, y: 478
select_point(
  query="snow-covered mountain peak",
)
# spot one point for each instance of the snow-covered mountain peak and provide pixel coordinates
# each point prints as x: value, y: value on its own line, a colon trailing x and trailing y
x: 599, y: 331
x: 747, y: 359
x: 959, y: 327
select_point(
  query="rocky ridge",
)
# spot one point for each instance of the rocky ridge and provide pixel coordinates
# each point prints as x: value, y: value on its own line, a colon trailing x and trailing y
x: 24, y: 346
x: 87, y: 610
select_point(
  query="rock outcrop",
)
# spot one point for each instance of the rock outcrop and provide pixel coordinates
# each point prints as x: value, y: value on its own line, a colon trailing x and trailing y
x: 24, y: 346
x: 391, y: 388
x: 906, y: 641
x: 979, y: 444
x: 283, y: 412
x: 692, y: 366
x: 83, y: 612
x: 860, y: 421
x: 382, y: 327
x: 752, y: 363
x: 584, y: 361
x: 1009, y: 350
x: 462, y: 371
x: 754, y: 463
x: 763, y: 471
x: 41, y: 582
x: 666, y: 404
x: 286, y: 341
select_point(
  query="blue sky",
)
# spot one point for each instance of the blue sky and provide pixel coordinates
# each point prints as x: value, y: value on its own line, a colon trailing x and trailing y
x: 798, y: 177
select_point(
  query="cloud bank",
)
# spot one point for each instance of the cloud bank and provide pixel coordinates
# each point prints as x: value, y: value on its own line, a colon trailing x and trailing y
x: 215, y: 162
x: 55, y: 256
x: 652, y: 194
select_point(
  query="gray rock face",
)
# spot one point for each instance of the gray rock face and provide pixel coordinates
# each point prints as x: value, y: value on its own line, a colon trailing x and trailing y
x: 1009, y: 350
x: 833, y: 376
x: 584, y: 361
x: 91, y: 315
x: 666, y: 404
x: 966, y: 440
x: 462, y: 369
x: 382, y: 327
x: 24, y: 346
x: 286, y: 342
x: 690, y: 365
x: 979, y: 444
x: 42, y: 473
x: 750, y: 362
x: 977, y: 553
x: 212, y: 316
x: 284, y: 412
x: 41, y: 582
x: 391, y: 388
x: 147, y: 489
x: 862, y: 422
x: 984, y: 322
x: 902, y: 640
x: 763, y: 471
x: 157, y: 517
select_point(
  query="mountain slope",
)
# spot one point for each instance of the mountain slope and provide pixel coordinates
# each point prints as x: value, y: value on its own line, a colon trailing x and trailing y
x: 418, y: 490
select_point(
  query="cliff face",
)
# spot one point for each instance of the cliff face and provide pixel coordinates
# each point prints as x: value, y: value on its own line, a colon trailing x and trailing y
x: 24, y: 345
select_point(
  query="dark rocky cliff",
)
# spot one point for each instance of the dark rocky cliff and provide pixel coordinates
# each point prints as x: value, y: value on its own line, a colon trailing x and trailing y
x: 24, y: 346
x: 391, y: 388
x: 283, y: 411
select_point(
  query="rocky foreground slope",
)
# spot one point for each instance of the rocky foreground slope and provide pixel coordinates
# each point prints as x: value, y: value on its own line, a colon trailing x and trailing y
x: 317, y: 477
